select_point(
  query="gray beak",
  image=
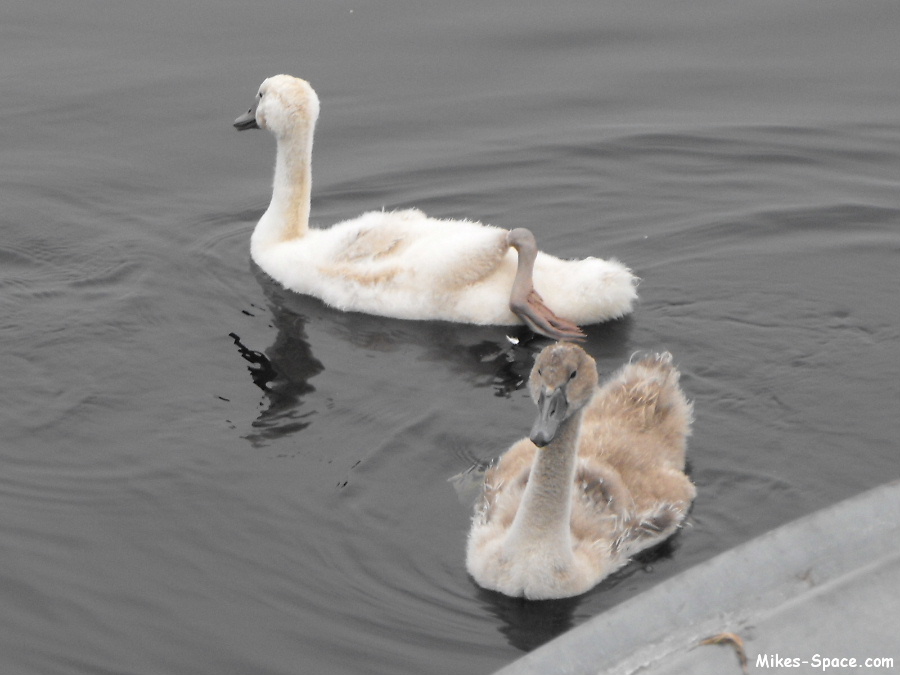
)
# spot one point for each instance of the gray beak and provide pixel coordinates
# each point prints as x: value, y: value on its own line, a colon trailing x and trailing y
x: 248, y: 120
x: 552, y: 411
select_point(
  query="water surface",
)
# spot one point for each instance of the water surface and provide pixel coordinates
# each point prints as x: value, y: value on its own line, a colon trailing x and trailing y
x: 202, y: 473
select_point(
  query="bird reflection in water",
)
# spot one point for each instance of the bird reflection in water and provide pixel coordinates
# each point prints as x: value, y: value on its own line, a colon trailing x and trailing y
x: 485, y: 356
x: 283, y: 374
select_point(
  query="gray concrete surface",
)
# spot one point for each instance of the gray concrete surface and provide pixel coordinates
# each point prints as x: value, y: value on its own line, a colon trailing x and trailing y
x: 824, y: 587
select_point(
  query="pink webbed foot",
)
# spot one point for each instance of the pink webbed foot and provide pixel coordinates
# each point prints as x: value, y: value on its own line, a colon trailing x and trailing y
x: 526, y: 303
x: 541, y: 319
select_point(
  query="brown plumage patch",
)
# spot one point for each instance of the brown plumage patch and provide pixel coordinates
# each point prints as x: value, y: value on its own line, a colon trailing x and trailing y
x: 479, y: 265
x: 372, y: 244
x: 362, y: 277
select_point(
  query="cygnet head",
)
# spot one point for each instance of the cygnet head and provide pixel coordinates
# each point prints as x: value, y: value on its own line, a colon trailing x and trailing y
x: 282, y: 104
x: 562, y: 382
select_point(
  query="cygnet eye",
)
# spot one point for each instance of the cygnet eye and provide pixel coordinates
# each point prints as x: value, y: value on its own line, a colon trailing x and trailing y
x: 540, y: 372
x: 574, y: 373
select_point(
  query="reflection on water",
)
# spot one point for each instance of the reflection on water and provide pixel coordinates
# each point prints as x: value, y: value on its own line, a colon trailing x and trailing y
x: 284, y: 370
x: 528, y: 624
x: 284, y: 385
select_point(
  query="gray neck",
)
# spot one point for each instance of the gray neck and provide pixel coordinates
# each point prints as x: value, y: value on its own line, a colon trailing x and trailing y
x: 523, y: 281
x: 544, y: 516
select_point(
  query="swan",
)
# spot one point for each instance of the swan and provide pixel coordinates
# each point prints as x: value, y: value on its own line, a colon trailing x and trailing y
x: 600, y: 478
x: 405, y: 265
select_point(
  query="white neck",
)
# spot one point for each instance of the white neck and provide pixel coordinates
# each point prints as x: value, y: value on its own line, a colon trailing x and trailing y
x: 543, y: 521
x: 288, y: 214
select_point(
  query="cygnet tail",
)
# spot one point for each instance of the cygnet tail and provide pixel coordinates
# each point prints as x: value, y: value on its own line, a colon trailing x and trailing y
x: 586, y: 291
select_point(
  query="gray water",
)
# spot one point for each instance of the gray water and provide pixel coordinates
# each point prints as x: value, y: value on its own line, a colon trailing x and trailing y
x: 200, y: 473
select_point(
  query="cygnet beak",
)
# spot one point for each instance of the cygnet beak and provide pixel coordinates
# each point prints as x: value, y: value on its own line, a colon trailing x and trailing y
x: 247, y: 120
x: 552, y: 410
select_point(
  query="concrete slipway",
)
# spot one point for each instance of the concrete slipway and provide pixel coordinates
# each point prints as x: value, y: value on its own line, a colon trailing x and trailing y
x: 826, y: 586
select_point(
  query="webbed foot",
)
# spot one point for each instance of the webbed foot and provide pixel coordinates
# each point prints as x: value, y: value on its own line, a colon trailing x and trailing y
x: 526, y: 303
x: 541, y: 319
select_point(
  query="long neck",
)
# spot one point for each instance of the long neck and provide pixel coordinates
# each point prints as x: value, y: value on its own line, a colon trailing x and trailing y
x: 526, y: 250
x: 288, y: 214
x: 543, y: 518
